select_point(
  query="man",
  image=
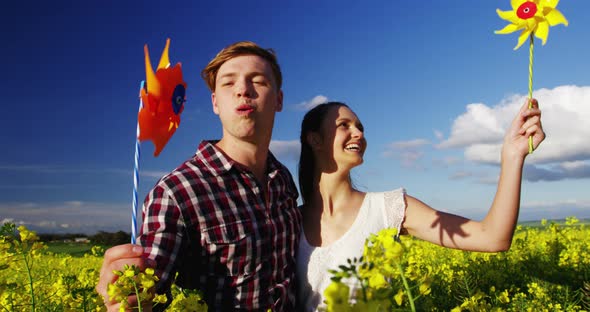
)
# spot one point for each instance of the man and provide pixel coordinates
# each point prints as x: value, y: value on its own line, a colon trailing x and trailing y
x: 226, y: 220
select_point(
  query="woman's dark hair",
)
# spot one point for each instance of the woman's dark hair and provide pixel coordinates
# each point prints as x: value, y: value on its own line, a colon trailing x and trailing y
x: 312, y: 121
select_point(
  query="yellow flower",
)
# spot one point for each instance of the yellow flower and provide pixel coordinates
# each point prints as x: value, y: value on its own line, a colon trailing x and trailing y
x: 531, y: 16
x: 399, y: 297
x: 503, y: 297
x: 130, y: 272
x: 571, y: 220
x: 160, y: 298
x: 377, y: 280
x: 424, y: 289
x: 336, y: 293
x: 371, y: 306
x: 149, y: 271
x: 186, y: 300
x: 26, y: 235
x: 394, y: 250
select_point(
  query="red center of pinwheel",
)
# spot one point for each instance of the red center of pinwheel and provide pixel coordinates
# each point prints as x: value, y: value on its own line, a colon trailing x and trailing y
x: 526, y: 10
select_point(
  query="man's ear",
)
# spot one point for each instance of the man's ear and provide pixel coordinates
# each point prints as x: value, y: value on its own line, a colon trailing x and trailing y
x: 314, y: 140
x: 214, y: 103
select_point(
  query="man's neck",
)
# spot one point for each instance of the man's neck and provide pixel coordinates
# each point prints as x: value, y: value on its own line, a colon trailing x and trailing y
x: 251, y: 155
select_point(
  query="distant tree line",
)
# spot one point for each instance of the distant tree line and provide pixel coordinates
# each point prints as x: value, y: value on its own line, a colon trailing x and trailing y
x: 110, y: 239
x: 100, y: 238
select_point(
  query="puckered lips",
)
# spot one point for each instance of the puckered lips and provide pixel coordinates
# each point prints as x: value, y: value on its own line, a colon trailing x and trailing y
x: 245, y: 109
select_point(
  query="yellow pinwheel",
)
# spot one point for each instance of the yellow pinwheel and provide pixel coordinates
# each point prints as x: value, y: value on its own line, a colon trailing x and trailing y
x: 533, y: 17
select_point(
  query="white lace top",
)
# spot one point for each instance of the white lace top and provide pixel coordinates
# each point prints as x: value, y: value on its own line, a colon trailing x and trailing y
x: 378, y: 211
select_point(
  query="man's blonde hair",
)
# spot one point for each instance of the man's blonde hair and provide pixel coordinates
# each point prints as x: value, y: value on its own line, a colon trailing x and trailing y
x: 209, y: 73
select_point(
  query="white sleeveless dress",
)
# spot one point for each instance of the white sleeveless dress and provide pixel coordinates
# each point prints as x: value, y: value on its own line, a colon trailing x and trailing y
x: 378, y: 211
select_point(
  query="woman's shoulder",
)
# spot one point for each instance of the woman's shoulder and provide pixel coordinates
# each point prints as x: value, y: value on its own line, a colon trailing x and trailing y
x: 389, y: 205
x: 400, y: 191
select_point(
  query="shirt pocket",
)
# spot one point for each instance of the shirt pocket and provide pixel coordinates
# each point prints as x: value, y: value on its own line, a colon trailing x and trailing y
x: 231, y: 248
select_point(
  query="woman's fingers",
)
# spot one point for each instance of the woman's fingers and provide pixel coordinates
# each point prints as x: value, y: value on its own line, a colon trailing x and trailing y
x: 537, y: 133
x: 533, y: 120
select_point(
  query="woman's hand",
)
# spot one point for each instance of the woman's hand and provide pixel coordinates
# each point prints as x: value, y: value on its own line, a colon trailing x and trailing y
x: 527, y: 123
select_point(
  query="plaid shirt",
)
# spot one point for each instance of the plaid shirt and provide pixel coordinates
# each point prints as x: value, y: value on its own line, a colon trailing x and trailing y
x: 209, y: 221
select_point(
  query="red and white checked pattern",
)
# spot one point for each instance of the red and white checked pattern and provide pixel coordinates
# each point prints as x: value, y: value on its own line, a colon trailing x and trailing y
x: 209, y: 221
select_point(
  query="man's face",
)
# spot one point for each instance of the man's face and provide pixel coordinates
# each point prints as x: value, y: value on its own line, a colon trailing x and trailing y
x: 246, y: 98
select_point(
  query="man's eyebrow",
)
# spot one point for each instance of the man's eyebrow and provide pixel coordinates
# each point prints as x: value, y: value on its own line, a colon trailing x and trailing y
x: 251, y: 74
x: 226, y: 75
x: 257, y: 74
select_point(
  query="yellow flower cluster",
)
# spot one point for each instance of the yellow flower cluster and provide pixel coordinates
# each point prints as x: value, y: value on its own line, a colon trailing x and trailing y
x: 133, y: 281
x: 33, y: 279
x: 384, y: 273
x: 545, y: 270
x: 187, y: 300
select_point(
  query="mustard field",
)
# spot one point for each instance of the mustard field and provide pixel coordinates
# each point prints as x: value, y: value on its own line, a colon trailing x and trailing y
x: 546, y: 269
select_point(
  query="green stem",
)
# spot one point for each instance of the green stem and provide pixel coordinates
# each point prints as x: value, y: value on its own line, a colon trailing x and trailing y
x: 137, y: 294
x: 466, y: 283
x: 30, y: 278
x: 85, y: 301
x: 11, y: 302
x: 407, y: 287
x: 363, y: 286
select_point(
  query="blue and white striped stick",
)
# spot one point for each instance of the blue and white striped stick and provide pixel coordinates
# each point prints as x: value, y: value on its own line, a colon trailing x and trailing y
x: 136, y: 176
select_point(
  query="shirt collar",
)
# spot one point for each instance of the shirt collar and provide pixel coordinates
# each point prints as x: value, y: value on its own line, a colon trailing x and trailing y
x: 218, y: 163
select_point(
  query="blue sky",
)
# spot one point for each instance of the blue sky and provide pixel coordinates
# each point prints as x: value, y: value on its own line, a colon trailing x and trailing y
x: 433, y: 85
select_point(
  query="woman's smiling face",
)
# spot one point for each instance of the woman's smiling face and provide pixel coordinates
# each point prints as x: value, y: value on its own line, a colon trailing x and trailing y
x: 342, y: 139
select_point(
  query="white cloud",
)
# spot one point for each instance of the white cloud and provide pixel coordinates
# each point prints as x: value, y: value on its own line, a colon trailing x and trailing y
x: 153, y: 174
x: 559, y: 171
x: 579, y: 208
x: 484, y: 153
x: 450, y: 160
x: 307, y: 105
x: 411, y: 144
x: 438, y: 134
x: 479, y: 177
x: 574, y: 165
x: 566, y: 115
x: 7, y: 220
x: 74, y: 203
x: 488, y: 179
x: 578, y: 203
x: 459, y: 175
x: 408, y: 152
x: 480, y: 124
x: 286, y: 150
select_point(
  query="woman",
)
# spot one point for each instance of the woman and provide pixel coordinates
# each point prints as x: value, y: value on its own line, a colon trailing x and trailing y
x: 337, y: 218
